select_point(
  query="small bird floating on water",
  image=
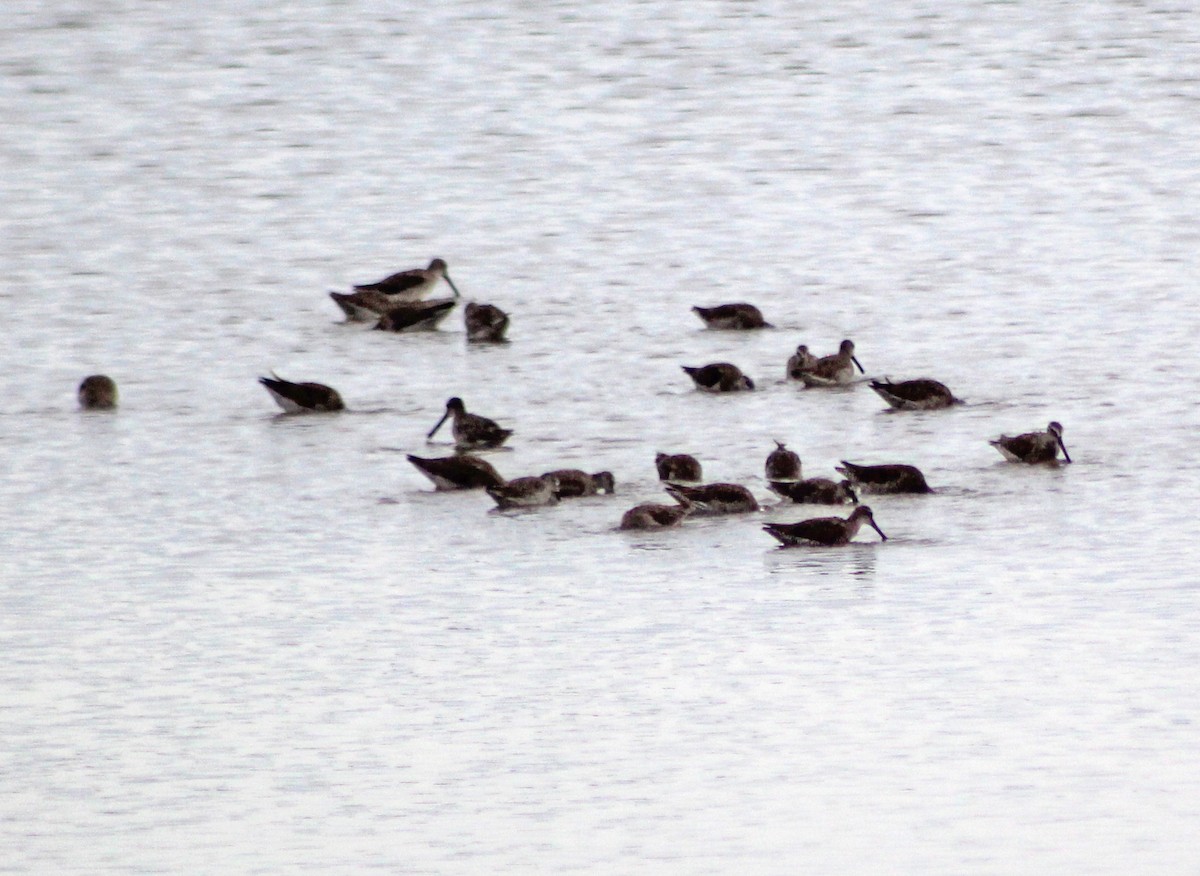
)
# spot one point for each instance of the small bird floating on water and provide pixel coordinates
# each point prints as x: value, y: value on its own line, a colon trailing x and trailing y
x: 732, y: 316
x: 460, y: 472
x: 719, y: 377
x: 835, y: 370
x: 485, y: 322
x: 471, y: 431
x: 676, y: 467
x: 890, y: 478
x: 824, y: 531
x: 526, y: 492
x: 921, y: 394
x: 654, y: 516
x: 715, y: 498
x: 815, y: 491
x: 415, y: 316
x: 573, y: 482
x: 97, y: 392
x: 298, y: 398
x: 799, y: 362
x: 783, y: 464
x: 1033, y: 447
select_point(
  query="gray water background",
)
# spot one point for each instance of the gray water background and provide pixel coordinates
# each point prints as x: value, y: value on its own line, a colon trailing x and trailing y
x: 240, y: 642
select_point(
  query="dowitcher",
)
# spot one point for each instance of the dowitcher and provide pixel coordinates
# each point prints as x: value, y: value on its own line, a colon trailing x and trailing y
x: 922, y: 394
x: 574, y: 482
x: 371, y: 300
x: 415, y: 316
x: 654, y: 516
x: 459, y: 472
x: 97, y: 392
x: 732, y: 316
x: 800, y: 361
x: 816, y: 491
x: 891, y: 478
x: 485, y: 322
x: 471, y: 431
x: 783, y: 464
x: 715, y: 498
x: 411, y: 284
x: 296, y: 398
x: 835, y: 370
x: 526, y: 492
x: 676, y: 467
x: 719, y: 377
x: 824, y: 531
x: 1033, y: 447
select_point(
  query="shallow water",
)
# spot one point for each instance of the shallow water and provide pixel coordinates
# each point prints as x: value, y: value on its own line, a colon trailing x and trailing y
x: 237, y: 641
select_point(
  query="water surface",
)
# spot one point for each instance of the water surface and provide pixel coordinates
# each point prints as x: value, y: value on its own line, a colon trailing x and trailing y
x: 241, y: 642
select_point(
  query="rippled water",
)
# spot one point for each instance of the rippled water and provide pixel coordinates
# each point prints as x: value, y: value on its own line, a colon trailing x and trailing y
x: 239, y: 642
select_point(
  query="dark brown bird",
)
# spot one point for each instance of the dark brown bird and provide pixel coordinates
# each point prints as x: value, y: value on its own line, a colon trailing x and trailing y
x: 573, y: 482
x: 715, y: 498
x: 97, y: 392
x: 299, y: 398
x: 922, y: 394
x: 816, y: 491
x: 892, y: 478
x: 677, y: 467
x: 799, y: 362
x: 1033, y: 447
x: 783, y: 464
x: 369, y: 301
x: 835, y: 370
x: 719, y: 377
x: 459, y: 472
x: 416, y: 316
x: 471, y: 431
x: 732, y: 316
x: 412, y: 284
x: 485, y: 322
x: 363, y: 306
x: 527, y: 492
x: 824, y: 531
x: 654, y: 516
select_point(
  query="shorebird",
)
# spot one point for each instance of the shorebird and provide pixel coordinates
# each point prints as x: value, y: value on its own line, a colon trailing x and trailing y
x: 371, y: 300
x: 412, y: 284
x: 573, y: 482
x: 677, y: 467
x: 719, y: 377
x: 527, y: 492
x: 815, y: 491
x: 824, y: 531
x: 783, y: 464
x: 485, y: 322
x: 471, y: 431
x: 922, y: 394
x: 459, y: 472
x: 363, y: 306
x: 1033, y: 447
x: 800, y: 361
x: 715, y: 498
x: 654, y: 516
x: 732, y: 316
x: 97, y: 392
x: 415, y: 316
x: 893, y: 478
x: 298, y: 398
x: 835, y: 370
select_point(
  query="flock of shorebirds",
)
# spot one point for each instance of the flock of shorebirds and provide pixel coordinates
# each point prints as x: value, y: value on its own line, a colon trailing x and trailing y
x: 397, y: 303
